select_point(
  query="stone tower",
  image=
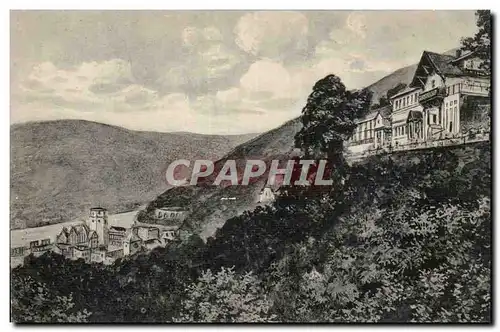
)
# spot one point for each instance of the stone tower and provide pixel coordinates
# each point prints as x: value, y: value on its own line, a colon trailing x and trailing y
x: 98, y: 222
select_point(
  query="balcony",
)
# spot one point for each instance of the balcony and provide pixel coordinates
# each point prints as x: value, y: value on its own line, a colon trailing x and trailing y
x: 430, y: 96
x: 474, y: 88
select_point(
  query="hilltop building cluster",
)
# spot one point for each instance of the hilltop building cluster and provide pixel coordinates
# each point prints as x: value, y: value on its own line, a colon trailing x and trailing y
x: 96, y: 241
x: 448, y: 98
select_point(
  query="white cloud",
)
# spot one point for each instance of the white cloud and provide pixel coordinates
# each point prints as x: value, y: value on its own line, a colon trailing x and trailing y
x: 231, y: 95
x: 221, y: 91
x: 207, y: 60
x: 267, y: 76
x: 193, y: 36
x: 272, y: 34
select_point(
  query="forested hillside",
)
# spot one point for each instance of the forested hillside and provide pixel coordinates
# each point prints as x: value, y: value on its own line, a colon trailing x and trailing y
x: 407, y: 238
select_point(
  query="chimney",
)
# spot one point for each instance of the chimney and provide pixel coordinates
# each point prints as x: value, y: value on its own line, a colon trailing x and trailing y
x: 458, y: 53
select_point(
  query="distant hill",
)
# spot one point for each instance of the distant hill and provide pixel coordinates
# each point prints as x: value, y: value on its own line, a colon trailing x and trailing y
x: 380, y: 88
x: 59, y: 169
x: 208, y: 209
x: 209, y: 212
x: 402, y: 75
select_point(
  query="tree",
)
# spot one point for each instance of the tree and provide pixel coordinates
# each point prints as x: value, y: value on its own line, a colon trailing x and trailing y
x: 395, y: 90
x: 480, y: 43
x: 225, y: 297
x: 329, y: 119
x: 33, y: 302
x: 384, y: 100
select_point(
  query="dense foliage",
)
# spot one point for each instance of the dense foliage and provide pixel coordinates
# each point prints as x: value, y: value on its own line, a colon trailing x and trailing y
x: 385, y: 100
x: 329, y: 116
x: 408, y: 239
x: 480, y: 43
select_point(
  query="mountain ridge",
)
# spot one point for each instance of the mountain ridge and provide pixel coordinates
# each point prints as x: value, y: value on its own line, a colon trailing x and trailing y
x: 61, y: 168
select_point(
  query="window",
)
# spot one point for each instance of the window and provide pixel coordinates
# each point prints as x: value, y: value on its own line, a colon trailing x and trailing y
x: 408, y: 100
x: 433, y: 83
x: 455, y: 102
x: 404, y: 102
x: 434, y: 118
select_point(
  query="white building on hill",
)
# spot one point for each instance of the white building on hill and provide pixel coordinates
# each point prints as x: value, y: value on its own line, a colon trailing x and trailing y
x: 448, y: 97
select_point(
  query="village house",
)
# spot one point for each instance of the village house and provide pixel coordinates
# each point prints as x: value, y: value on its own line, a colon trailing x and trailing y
x: 85, y: 240
x: 39, y: 247
x: 114, y: 254
x: 372, y: 131
x: 117, y: 236
x: 164, y: 232
x: 454, y: 96
x: 405, y: 109
x: 132, y: 243
x: 18, y: 251
x: 170, y: 213
x: 269, y: 193
x: 95, y: 241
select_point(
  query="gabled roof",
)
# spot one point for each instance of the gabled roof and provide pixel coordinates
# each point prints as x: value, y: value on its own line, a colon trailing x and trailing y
x: 441, y: 63
x: 464, y: 56
x: 385, y: 111
x: 404, y: 91
x: 132, y: 237
x: 444, y: 63
x: 414, y: 115
x: 64, y: 232
x: 91, y: 234
x: 81, y: 228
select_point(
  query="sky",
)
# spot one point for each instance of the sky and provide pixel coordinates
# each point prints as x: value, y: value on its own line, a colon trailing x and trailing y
x: 211, y: 72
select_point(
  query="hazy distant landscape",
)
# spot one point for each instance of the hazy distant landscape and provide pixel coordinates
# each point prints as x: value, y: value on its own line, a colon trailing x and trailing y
x: 59, y: 169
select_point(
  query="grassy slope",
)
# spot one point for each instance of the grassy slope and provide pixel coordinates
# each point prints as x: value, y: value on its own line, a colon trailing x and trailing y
x: 61, y: 168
